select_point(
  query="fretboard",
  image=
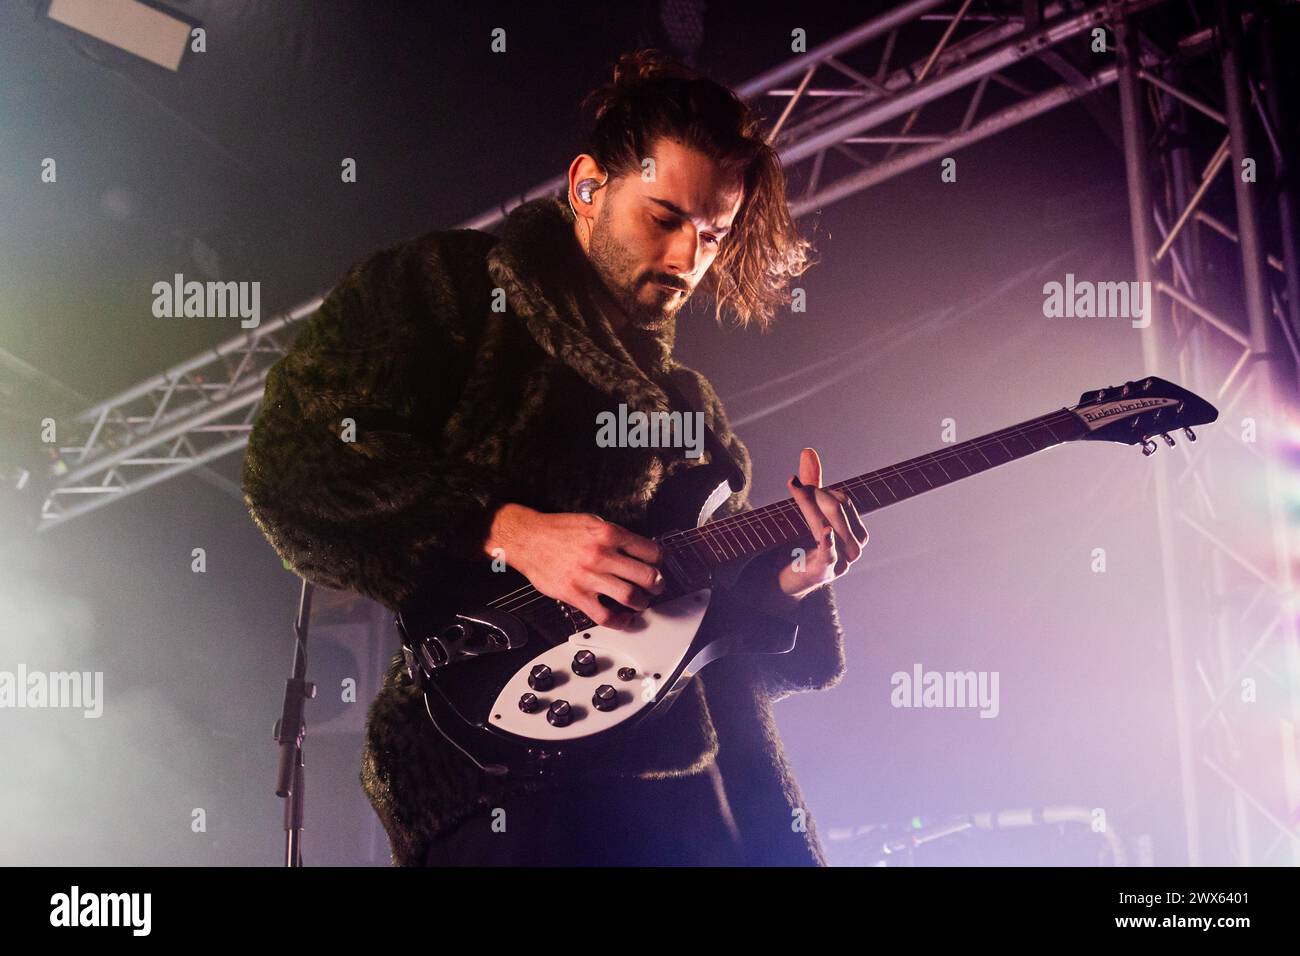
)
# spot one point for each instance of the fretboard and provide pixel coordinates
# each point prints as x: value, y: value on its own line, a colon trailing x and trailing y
x: 698, y: 551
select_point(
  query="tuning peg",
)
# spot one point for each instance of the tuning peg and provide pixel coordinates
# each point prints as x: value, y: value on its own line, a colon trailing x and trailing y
x: 1148, y: 446
x: 1191, y: 435
x: 1146, y: 385
x: 1168, y: 441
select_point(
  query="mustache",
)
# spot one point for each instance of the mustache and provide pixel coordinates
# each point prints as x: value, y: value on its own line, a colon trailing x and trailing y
x: 671, y: 284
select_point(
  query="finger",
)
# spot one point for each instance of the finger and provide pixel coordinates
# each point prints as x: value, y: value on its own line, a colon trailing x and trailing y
x: 617, y: 589
x: 810, y: 468
x: 629, y: 569
x: 812, y: 515
x: 827, y: 555
x: 836, y: 514
x: 859, y: 530
x: 643, y: 549
x: 600, y: 615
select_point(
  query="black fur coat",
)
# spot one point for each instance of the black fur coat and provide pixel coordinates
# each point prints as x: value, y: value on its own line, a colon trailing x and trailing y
x: 473, y: 368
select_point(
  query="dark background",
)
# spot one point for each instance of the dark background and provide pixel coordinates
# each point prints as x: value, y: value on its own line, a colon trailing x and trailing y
x: 926, y: 305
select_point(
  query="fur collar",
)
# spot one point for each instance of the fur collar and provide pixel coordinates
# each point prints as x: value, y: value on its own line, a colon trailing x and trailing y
x: 544, y: 273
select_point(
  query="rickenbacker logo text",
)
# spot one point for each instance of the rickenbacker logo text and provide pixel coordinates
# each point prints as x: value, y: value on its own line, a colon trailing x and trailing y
x: 1099, y: 415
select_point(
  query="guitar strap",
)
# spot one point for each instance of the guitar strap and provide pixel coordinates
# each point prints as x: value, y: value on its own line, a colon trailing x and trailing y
x: 717, y: 451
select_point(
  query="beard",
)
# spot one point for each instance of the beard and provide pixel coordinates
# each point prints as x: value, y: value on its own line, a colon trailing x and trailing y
x: 646, y: 305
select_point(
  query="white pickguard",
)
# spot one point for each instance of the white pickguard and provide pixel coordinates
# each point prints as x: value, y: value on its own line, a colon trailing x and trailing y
x: 655, y: 645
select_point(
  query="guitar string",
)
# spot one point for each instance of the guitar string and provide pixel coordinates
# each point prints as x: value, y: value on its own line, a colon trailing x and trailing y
x: 788, y: 507
x: 752, y: 517
x: 892, y: 471
x: 529, y: 595
x: 749, y: 519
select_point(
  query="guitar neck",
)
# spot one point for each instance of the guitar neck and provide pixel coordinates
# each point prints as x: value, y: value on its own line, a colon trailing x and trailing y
x: 1128, y: 414
x: 697, y: 552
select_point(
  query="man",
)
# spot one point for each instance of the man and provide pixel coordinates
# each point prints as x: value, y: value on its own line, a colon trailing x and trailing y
x: 439, y: 409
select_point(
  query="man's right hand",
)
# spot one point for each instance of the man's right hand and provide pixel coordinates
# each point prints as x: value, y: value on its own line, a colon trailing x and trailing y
x: 576, y: 558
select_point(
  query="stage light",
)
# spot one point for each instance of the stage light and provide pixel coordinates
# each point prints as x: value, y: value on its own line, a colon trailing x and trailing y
x: 129, y: 25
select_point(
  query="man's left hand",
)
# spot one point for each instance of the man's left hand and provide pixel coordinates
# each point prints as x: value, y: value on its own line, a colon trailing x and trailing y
x: 776, y: 583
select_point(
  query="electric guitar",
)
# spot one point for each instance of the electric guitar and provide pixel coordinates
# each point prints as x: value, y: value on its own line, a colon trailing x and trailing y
x: 525, y: 684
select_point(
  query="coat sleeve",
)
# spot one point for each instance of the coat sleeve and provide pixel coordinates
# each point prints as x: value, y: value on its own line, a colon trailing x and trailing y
x: 817, y: 660
x: 349, y: 472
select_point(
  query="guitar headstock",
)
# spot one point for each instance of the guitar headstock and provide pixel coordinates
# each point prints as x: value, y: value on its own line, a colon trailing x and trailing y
x: 1135, y: 411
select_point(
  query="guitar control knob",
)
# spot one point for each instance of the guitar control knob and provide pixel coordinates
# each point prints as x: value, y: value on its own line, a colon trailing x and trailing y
x: 1168, y: 439
x: 529, y: 703
x: 605, y: 698
x: 584, y: 663
x: 627, y: 673
x: 560, y: 714
x: 541, y: 678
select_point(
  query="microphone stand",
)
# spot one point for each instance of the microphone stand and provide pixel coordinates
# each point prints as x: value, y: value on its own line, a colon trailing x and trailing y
x: 288, y: 733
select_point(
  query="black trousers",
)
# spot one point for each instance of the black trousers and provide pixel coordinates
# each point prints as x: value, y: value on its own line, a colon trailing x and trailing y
x: 681, y: 821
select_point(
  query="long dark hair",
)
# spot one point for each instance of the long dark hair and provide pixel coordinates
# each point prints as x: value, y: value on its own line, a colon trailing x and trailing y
x: 654, y: 95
